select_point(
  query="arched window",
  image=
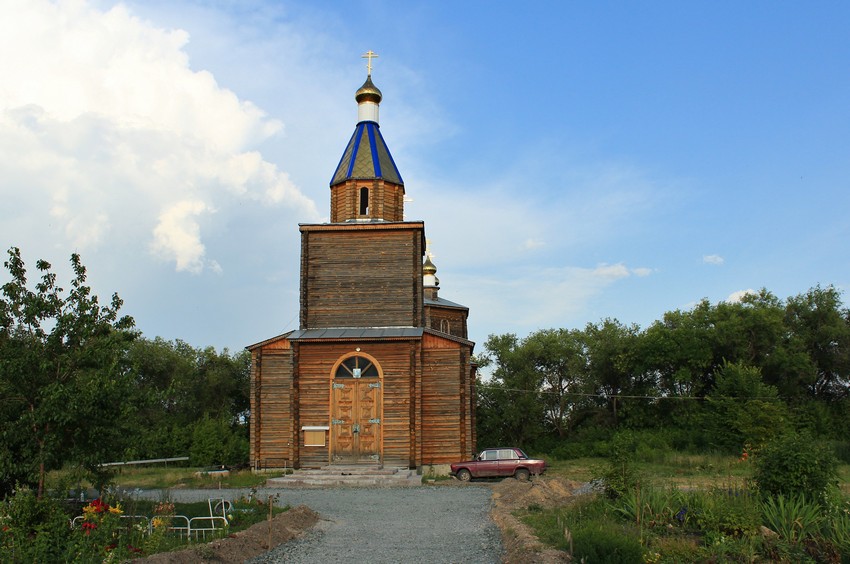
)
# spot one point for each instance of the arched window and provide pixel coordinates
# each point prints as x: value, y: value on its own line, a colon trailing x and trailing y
x: 356, y: 367
x: 364, y: 201
x: 444, y: 326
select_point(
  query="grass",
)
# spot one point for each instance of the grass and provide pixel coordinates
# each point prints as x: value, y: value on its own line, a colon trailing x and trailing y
x: 844, y: 478
x: 158, y: 477
x: 690, y: 507
x: 680, y: 469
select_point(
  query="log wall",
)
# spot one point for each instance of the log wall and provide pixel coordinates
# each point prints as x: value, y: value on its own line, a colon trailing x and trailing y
x: 386, y: 200
x: 316, y: 362
x: 445, y: 423
x: 451, y: 321
x: 362, y: 275
x: 271, y: 408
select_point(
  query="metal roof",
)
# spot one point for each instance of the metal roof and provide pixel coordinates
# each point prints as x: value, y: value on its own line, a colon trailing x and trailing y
x: 367, y: 157
x: 361, y: 334
x: 443, y: 303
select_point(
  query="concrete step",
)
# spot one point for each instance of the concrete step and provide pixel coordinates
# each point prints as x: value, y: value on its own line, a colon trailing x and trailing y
x: 353, y: 476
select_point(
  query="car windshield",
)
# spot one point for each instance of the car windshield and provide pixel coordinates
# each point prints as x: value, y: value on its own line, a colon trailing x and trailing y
x: 502, y: 454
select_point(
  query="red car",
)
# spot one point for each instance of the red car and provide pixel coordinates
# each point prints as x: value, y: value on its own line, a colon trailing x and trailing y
x: 499, y: 462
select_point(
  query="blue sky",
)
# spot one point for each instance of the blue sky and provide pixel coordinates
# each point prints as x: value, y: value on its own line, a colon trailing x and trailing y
x: 572, y: 161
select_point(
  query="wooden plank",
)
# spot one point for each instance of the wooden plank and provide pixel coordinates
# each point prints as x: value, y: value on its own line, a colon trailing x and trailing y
x: 362, y: 277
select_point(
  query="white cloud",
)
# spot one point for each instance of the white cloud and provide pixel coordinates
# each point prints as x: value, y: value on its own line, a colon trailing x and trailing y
x: 176, y: 236
x: 109, y: 138
x: 531, y: 244
x: 713, y: 259
x: 611, y: 271
x: 736, y: 297
x: 526, y: 299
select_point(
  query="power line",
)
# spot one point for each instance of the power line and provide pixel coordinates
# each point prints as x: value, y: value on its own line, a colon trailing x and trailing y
x: 625, y: 396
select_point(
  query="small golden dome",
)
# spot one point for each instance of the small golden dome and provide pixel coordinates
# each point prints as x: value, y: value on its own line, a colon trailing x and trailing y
x: 428, y: 267
x: 368, y: 92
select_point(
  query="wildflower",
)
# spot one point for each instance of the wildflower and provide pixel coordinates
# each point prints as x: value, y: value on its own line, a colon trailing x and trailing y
x: 95, y: 507
x: 164, y: 508
x: 88, y: 527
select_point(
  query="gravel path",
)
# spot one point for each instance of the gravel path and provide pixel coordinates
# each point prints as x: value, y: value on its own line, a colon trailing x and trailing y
x: 383, y: 525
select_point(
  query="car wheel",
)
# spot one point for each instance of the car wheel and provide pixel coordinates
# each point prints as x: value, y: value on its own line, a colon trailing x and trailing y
x: 464, y: 475
x: 522, y: 475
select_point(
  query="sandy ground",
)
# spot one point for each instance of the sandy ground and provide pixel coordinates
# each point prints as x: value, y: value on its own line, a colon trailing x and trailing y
x: 509, y: 495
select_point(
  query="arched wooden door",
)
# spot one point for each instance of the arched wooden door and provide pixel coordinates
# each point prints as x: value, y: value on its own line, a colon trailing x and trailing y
x: 356, y: 411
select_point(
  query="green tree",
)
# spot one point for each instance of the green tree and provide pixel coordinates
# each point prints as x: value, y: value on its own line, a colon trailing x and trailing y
x: 559, y: 357
x: 612, y: 364
x: 178, y: 386
x: 741, y: 409
x: 217, y: 442
x: 63, y: 377
x: 678, y: 351
x: 510, y: 410
x: 820, y: 331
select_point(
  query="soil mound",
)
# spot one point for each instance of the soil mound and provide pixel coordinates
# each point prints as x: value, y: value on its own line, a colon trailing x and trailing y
x: 243, y: 545
x: 509, y: 496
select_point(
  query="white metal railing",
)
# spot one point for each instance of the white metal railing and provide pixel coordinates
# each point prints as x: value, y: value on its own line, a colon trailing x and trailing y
x: 149, y: 461
x: 188, y: 527
x: 204, y: 525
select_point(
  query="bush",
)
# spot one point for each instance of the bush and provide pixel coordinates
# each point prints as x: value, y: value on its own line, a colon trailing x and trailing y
x: 842, y: 451
x: 34, y: 530
x: 741, y: 409
x: 215, y: 441
x: 620, y: 475
x: 796, y: 464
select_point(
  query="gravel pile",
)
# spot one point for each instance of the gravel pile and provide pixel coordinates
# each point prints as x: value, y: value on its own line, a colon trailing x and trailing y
x: 384, y: 525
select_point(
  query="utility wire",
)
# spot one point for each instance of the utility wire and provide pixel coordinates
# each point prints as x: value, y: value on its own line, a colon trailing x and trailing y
x: 623, y: 396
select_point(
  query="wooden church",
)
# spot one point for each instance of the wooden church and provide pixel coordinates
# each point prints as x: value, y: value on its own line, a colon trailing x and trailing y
x: 380, y: 371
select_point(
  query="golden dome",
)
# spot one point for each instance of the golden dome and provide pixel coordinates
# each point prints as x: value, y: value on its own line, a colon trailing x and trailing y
x: 428, y: 267
x: 368, y: 92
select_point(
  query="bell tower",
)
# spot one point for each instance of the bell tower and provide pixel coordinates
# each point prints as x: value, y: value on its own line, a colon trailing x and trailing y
x: 366, y: 186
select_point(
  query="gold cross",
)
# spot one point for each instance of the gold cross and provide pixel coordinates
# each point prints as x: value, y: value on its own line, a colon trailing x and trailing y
x: 369, y: 55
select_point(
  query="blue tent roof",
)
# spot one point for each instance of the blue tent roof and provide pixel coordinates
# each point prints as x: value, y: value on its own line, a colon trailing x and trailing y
x: 367, y: 157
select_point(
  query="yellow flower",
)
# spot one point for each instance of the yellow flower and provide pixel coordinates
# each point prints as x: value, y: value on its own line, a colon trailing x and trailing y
x: 116, y: 509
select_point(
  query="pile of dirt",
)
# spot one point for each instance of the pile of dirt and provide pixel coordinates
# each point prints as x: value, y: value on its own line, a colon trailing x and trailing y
x: 243, y: 545
x: 509, y: 496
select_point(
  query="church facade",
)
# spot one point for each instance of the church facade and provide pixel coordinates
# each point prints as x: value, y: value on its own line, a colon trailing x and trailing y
x: 380, y: 371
